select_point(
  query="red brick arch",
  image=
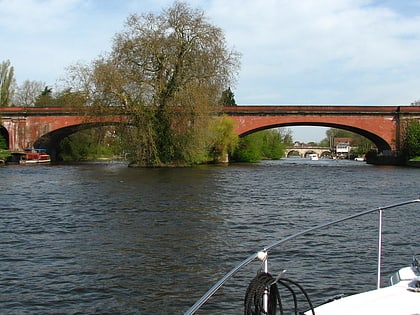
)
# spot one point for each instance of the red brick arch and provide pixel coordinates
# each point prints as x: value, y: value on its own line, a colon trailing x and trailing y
x: 380, y: 124
x: 27, y: 127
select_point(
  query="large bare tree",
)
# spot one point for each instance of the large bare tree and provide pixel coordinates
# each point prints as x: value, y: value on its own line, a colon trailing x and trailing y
x: 167, y: 72
x: 27, y: 93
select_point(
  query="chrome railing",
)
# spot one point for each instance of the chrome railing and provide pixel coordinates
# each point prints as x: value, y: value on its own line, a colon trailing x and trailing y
x: 262, y: 255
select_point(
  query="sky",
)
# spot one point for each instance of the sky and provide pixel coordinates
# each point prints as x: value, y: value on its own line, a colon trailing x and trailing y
x: 294, y: 52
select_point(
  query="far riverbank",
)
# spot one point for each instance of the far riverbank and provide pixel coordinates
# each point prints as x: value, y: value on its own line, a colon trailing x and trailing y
x: 413, y: 163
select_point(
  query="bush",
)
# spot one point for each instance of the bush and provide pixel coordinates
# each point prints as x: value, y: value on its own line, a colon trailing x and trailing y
x: 412, y: 139
x: 267, y: 144
x: 3, y: 148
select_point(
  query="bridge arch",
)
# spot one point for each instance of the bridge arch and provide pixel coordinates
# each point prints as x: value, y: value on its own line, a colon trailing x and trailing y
x: 51, y: 140
x: 383, y: 125
x: 380, y: 143
x: 5, y: 134
x: 292, y: 152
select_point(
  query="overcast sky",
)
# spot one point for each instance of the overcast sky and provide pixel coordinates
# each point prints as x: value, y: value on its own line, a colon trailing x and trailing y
x: 293, y: 51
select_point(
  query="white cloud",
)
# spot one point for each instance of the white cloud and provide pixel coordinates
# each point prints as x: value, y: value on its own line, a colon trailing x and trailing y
x: 322, y: 52
x: 296, y: 42
x: 33, y: 16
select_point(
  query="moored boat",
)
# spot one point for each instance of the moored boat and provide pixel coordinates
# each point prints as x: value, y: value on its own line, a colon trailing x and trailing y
x: 31, y: 156
x: 263, y: 296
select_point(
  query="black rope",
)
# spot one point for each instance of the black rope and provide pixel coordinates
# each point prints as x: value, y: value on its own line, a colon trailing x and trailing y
x: 288, y: 287
x: 264, y: 285
x: 303, y: 291
x: 261, y: 285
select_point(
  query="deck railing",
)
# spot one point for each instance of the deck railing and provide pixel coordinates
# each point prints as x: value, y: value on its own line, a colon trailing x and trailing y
x: 262, y: 254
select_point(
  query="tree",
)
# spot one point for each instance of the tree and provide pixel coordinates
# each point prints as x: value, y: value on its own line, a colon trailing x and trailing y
x: 167, y: 72
x: 90, y: 144
x: 363, y: 144
x: 287, y: 136
x: 224, y: 139
x: 266, y: 144
x: 4, y: 153
x: 228, y: 98
x: 273, y: 146
x: 249, y: 149
x: 412, y: 139
x: 68, y: 98
x: 27, y: 94
x: 46, y: 98
x: 6, y: 83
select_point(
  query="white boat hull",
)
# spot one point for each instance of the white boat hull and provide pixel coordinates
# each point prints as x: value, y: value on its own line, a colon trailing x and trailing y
x: 394, y: 300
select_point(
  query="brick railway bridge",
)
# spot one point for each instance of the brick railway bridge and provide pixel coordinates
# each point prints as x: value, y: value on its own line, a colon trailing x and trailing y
x: 46, y: 127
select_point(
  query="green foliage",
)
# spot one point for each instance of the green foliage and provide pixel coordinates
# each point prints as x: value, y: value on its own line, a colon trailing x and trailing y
x: 223, y: 138
x: 361, y: 144
x: 249, y: 149
x: 45, y: 99
x: 3, y: 144
x: 273, y: 146
x: 287, y: 138
x: 412, y: 139
x: 6, y: 83
x: 90, y: 144
x: 4, y: 153
x: 267, y: 144
x: 324, y: 142
x: 338, y: 133
x: 71, y: 149
x: 228, y: 98
x: 67, y: 98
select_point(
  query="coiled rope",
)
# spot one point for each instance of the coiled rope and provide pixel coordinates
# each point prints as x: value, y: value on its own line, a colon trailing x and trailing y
x: 264, y: 286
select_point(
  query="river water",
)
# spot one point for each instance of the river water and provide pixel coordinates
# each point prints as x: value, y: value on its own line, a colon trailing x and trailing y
x: 103, y: 238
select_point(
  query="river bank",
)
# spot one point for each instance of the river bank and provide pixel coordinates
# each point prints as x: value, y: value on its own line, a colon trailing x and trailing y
x: 391, y: 159
x: 413, y: 163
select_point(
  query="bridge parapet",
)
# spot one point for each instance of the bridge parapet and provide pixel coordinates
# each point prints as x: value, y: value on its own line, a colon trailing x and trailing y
x: 39, y: 111
x: 320, y: 109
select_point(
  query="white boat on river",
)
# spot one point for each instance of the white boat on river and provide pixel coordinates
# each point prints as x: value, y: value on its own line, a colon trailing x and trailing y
x: 400, y: 297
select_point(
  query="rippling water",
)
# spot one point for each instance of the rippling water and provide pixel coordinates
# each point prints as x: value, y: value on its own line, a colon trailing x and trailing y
x: 106, y: 239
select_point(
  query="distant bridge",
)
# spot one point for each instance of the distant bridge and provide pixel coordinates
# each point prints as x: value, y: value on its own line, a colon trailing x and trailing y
x: 383, y: 125
x: 303, y: 151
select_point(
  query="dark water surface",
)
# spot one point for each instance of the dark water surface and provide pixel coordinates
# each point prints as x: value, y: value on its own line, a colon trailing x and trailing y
x: 106, y: 239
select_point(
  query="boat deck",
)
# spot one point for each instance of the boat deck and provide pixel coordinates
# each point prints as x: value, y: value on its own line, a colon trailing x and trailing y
x: 403, y: 298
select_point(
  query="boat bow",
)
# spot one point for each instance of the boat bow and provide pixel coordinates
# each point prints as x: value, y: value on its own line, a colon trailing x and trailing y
x: 354, y: 304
